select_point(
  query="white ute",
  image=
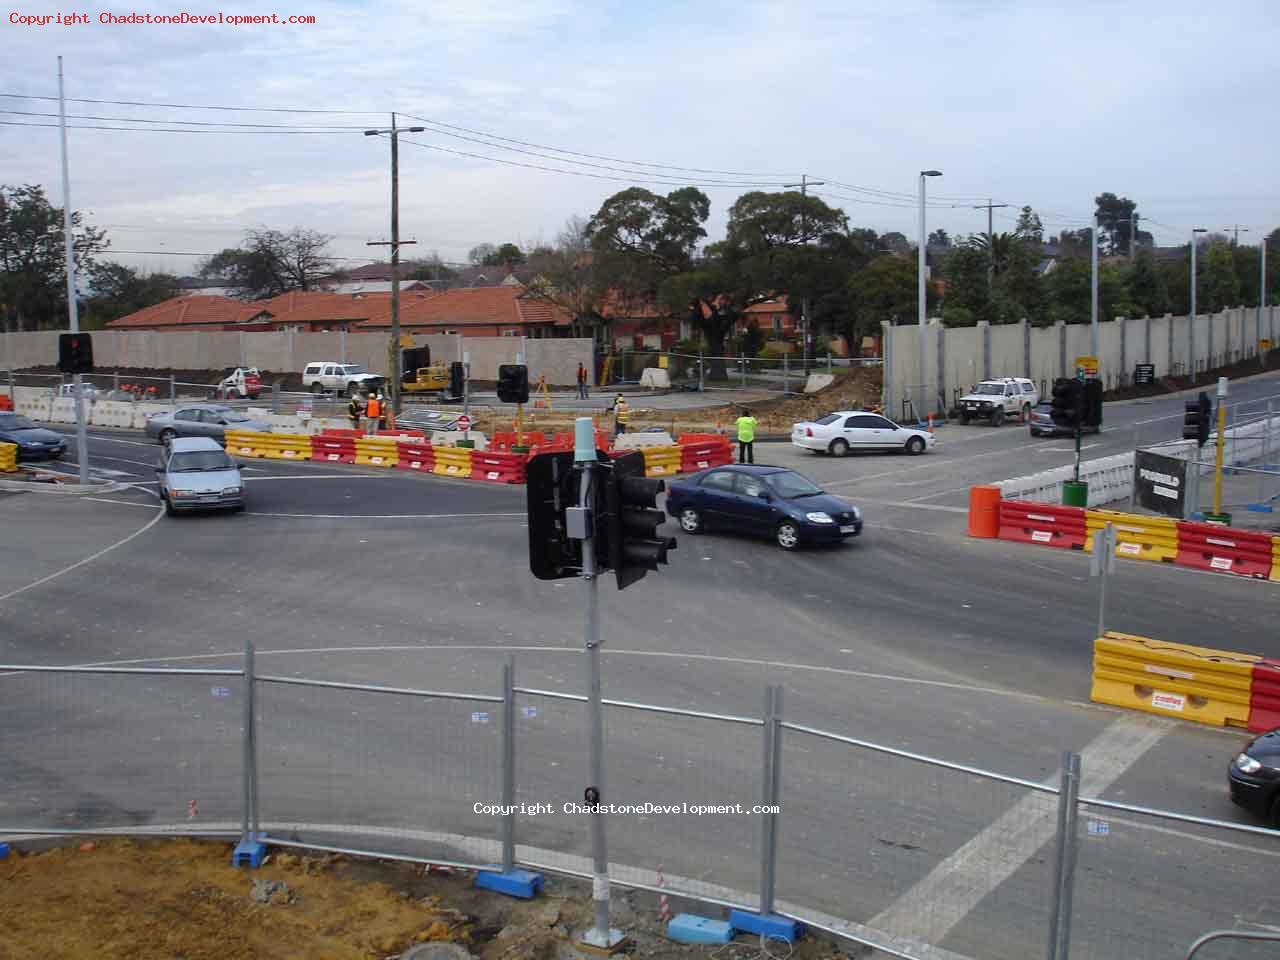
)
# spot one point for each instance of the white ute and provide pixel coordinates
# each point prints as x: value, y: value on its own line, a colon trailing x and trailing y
x: 995, y: 400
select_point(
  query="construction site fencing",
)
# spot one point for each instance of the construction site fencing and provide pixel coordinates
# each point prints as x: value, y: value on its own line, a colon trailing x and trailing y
x: 916, y: 856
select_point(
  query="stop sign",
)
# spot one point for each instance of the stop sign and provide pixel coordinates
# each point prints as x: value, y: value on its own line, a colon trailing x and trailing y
x: 464, y: 422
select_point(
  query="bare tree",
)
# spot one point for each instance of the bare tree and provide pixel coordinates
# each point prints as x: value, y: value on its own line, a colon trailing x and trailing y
x: 271, y: 262
x: 568, y: 276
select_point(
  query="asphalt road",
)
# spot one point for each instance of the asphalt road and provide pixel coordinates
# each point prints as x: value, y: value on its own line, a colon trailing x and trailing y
x: 913, y: 637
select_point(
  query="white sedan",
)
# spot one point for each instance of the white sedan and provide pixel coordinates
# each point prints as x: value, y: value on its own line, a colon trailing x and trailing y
x: 845, y: 431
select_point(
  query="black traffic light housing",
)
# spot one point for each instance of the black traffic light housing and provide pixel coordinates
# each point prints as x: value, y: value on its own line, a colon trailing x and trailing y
x: 552, y: 486
x: 1195, y: 419
x: 75, y: 353
x: 1068, y: 403
x: 457, y: 377
x: 513, y: 383
x: 1092, y: 403
x: 627, y: 521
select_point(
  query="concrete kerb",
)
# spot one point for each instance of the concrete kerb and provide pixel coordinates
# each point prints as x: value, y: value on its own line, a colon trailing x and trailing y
x: 61, y: 489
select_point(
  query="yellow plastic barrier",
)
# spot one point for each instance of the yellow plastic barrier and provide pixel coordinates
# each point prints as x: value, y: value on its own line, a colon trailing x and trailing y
x: 661, y: 461
x: 245, y: 443
x: 1172, y: 679
x: 285, y: 446
x: 1275, y: 559
x: 1137, y: 537
x: 452, y: 462
x: 8, y: 458
x: 377, y: 451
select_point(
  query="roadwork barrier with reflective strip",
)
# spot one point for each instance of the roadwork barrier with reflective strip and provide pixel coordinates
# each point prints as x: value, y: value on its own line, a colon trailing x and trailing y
x: 376, y: 451
x: 1208, y: 686
x: 333, y: 449
x: 1264, y: 698
x: 497, y: 467
x: 1275, y: 559
x: 702, y: 451
x: 245, y: 443
x: 286, y: 446
x: 1208, y: 546
x: 661, y: 461
x: 8, y: 458
x: 1043, y: 523
x: 1138, y: 538
x: 416, y: 455
x: 452, y: 462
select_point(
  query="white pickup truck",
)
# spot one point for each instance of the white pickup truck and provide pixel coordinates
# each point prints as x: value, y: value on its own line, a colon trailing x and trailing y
x: 87, y: 390
x: 997, y: 400
x: 326, y: 376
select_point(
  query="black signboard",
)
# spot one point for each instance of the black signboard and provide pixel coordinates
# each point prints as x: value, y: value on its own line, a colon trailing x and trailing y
x: 1160, y: 482
x: 1144, y: 373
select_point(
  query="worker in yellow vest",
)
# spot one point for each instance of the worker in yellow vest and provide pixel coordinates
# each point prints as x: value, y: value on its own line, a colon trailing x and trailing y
x: 746, y: 437
x: 621, y: 415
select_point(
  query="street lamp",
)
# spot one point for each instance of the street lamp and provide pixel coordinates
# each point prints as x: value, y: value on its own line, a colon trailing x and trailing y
x: 1191, y: 326
x: 920, y: 295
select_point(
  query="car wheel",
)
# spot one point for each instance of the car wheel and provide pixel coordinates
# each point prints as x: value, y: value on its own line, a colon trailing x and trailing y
x: 964, y: 419
x: 167, y: 435
x: 168, y: 508
x: 839, y: 448
x: 788, y: 535
x: 317, y: 389
x: 997, y: 417
x: 690, y: 520
x: 915, y: 446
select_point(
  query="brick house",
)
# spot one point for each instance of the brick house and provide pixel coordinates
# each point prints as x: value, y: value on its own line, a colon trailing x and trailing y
x: 196, y: 312
x: 506, y: 310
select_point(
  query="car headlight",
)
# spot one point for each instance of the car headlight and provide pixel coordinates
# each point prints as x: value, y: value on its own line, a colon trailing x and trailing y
x: 819, y: 517
x: 1246, y: 764
x: 183, y: 494
x: 231, y: 491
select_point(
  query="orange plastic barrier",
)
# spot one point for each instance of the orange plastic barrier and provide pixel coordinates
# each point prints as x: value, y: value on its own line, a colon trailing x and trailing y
x: 984, y: 512
x: 334, y: 449
x: 1264, y: 696
x: 703, y: 454
x: 402, y: 433
x: 336, y: 432
x: 6, y: 402
x: 1044, y: 523
x: 416, y: 456
x: 1208, y: 546
x: 497, y: 467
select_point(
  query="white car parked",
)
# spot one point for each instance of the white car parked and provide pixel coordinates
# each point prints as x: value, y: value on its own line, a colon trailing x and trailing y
x: 844, y: 431
x: 995, y: 400
x: 348, y: 379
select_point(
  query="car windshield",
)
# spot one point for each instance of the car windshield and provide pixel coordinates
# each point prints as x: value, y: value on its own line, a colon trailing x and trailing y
x: 790, y: 485
x: 989, y: 389
x: 198, y: 461
x: 12, y: 421
x: 828, y: 419
x: 353, y: 368
x: 234, y: 416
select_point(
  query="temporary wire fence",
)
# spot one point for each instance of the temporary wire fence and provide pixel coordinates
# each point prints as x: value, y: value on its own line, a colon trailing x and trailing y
x: 914, y: 855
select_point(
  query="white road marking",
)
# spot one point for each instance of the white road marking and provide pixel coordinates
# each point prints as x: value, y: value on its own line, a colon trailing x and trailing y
x: 1250, y: 850
x: 934, y: 906
x: 941, y: 465
x: 123, y: 503
x: 909, y: 504
x: 1087, y: 446
x: 324, y: 476
x: 383, y: 516
x: 89, y: 559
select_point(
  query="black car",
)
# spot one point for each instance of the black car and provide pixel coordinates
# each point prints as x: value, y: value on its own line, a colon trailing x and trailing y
x: 1042, y: 425
x: 1254, y: 776
x: 34, y: 443
x: 767, y: 501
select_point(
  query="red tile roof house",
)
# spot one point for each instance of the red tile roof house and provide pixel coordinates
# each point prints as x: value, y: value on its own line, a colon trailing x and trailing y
x: 318, y: 311
x: 772, y: 316
x: 200, y: 312
x: 503, y: 311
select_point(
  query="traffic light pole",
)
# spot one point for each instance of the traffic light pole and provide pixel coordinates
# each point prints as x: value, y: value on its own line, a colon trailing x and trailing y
x: 601, y: 935
x: 73, y: 313
x: 1077, y: 474
x: 1222, y: 431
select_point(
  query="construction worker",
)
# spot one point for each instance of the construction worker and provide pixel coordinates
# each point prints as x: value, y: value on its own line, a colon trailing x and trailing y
x: 621, y: 414
x: 746, y: 437
x: 355, y: 410
x: 372, y: 413
x: 582, y: 382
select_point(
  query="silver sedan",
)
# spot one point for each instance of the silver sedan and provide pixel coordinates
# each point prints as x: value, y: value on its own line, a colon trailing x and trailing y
x: 201, y: 420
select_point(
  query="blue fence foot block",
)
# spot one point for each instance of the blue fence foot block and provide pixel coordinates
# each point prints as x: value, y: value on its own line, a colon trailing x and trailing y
x: 771, y: 925
x: 524, y: 884
x: 691, y: 928
x: 4, y: 850
x: 248, y: 853
x: 1260, y: 508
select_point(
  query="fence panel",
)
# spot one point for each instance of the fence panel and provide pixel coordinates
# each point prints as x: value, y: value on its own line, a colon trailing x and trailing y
x: 552, y: 742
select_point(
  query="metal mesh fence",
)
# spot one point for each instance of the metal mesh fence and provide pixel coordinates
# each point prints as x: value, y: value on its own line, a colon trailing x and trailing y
x: 552, y: 742
x: 85, y: 751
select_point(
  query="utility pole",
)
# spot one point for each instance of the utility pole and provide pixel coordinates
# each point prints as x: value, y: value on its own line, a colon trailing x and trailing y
x: 991, y: 239
x: 1133, y: 236
x: 394, y: 244
x: 1236, y: 230
x: 804, y: 185
x: 1093, y: 288
x: 73, y: 309
x: 1191, y: 327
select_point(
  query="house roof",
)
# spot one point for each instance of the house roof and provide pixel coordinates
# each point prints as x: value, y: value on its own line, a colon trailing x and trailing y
x: 776, y: 305
x: 375, y: 286
x: 319, y: 307
x: 189, y: 311
x: 473, y: 306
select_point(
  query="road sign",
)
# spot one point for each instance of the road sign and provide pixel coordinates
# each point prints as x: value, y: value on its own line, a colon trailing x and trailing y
x: 1144, y: 373
x: 1087, y: 368
x: 1160, y: 483
x: 464, y: 422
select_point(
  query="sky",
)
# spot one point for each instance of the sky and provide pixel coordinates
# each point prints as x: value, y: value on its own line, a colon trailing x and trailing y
x: 1172, y: 104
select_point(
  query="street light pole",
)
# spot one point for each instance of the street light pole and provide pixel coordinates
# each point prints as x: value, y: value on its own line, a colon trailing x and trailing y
x: 922, y: 305
x: 73, y: 309
x: 395, y: 243
x: 1093, y: 288
x: 1191, y: 325
x: 804, y: 185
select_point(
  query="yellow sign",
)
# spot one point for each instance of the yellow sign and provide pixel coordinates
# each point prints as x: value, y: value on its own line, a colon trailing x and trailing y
x: 1264, y: 344
x: 1087, y: 367
x: 662, y: 361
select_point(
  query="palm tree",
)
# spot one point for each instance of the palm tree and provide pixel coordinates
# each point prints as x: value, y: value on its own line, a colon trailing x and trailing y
x: 999, y: 251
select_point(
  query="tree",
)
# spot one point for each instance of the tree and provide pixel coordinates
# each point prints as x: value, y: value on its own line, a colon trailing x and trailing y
x: 568, y: 276
x: 481, y: 254
x: 939, y: 238
x: 508, y: 253
x: 431, y: 269
x: 884, y: 290
x: 1074, y: 242
x: 966, y: 275
x: 1019, y: 287
x: 1029, y: 228
x: 1218, y: 285
x: 895, y: 242
x: 640, y: 239
x: 271, y: 262
x: 33, y: 263
x: 1146, y: 287
x: 1070, y: 287
x: 118, y: 290
x: 997, y: 249
x: 1115, y: 216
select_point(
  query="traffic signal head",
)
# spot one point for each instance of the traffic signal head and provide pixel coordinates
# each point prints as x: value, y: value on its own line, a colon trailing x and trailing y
x: 1068, y: 402
x: 513, y: 383
x: 551, y: 487
x: 1092, y: 403
x: 75, y: 353
x: 627, y: 526
x: 1195, y: 419
x: 457, y: 377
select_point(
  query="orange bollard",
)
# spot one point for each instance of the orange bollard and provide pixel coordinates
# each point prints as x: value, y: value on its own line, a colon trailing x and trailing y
x: 931, y: 423
x: 984, y: 512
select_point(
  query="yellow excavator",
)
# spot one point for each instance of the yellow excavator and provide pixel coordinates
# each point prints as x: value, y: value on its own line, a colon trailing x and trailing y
x: 419, y: 377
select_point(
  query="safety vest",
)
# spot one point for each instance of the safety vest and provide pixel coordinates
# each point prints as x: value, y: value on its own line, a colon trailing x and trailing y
x: 373, y: 408
x: 622, y: 412
x: 746, y: 429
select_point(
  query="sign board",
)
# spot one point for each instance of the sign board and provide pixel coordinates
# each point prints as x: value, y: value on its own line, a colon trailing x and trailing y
x: 1143, y: 374
x: 1160, y: 483
x: 464, y: 423
x: 1168, y: 701
x: 662, y: 361
x: 1264, y: 344
x: 1087, y: 368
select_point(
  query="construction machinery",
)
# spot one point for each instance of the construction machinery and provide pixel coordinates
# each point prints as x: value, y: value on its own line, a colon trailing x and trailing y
x: 419, y: 377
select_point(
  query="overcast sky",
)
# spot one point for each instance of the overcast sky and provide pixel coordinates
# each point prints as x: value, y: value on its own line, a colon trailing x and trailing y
x: 1172, y: 104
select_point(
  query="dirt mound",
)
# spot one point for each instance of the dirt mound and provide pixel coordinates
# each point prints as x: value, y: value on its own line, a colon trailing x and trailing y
x: 852, y: 390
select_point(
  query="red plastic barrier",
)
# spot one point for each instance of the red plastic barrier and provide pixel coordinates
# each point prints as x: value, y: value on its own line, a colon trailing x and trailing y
x: 1207, y: 546
x: 334, y: 449
x: 704, y: 454
x: 1264, y: 696
x: 402, y: 433
x: 497, y: 467
x: 335, y: 432
x: 1047, y: 524
x: 701, y: 438
x: 6, y: 402
x: 415, y: 456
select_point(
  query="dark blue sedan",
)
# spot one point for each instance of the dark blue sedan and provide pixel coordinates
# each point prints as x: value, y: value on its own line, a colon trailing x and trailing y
x: 34, y: 443
x: 768, y: 501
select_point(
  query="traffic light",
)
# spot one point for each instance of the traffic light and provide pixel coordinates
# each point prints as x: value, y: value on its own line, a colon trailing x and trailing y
x: 513, y: 383
x: 1068, y: 403
x: 627, y: 521
x: 551, y: 484
x: 457, y: 377
x: 1195, y: 419
x: 1092, y: 403
x: 75, y: 353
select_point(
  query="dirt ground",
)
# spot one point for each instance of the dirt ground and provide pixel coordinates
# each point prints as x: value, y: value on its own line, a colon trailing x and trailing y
x: 182, y: 900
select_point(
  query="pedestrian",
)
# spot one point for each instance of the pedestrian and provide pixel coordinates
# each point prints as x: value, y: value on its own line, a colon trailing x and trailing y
x: 582, y: 382
x: 355, y: 410
x: 621, y: 415
x: 382, y: 410
x: 372, y: 413
x: 746, y: 437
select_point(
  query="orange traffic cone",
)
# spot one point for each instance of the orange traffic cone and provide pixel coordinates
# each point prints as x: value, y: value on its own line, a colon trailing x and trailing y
x: 931, y: 423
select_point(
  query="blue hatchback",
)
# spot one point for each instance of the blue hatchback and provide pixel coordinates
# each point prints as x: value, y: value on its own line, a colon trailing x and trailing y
x: 765, y: 501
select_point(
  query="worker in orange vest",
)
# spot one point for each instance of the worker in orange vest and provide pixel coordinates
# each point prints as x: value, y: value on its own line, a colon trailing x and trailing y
x: 372, y: 413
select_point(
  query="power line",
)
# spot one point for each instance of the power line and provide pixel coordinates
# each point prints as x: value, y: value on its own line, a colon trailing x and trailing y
x: 194, y: 106
x: 101, y: 126
x: 310, y: 128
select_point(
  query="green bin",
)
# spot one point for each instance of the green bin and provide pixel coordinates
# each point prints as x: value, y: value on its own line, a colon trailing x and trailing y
x: 1075, y: 493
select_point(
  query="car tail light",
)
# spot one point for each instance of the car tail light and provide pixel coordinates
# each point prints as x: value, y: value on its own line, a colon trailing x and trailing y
x: 808, y: 431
